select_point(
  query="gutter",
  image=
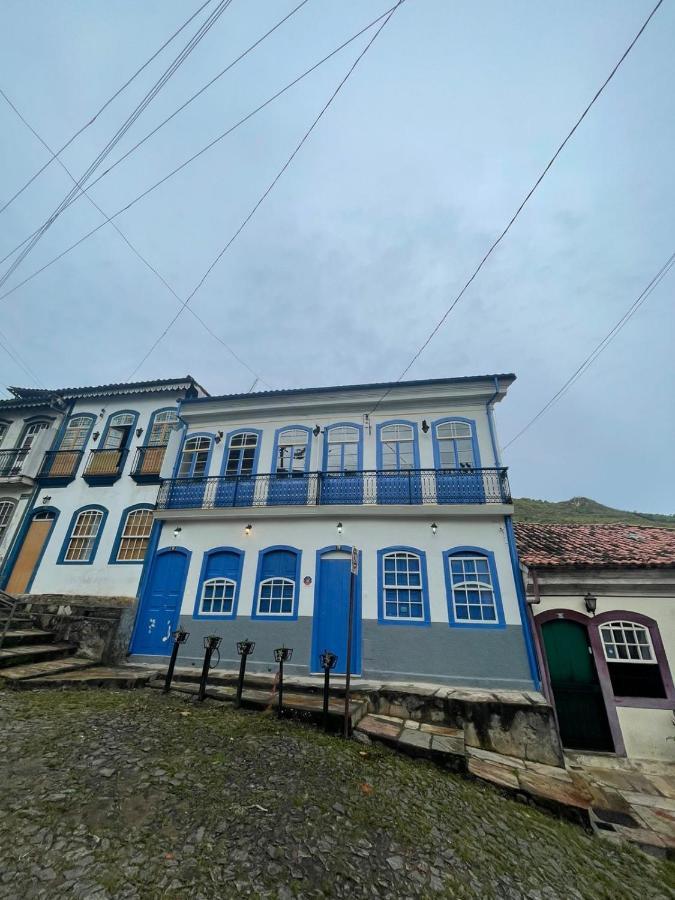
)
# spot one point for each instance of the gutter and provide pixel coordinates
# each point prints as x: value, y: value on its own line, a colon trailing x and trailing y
x: 491, y: 425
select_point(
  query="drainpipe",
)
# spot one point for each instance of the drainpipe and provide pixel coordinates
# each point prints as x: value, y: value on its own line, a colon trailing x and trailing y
x: 543, y: 668
x: 522, y: 604
x: 491, y: 425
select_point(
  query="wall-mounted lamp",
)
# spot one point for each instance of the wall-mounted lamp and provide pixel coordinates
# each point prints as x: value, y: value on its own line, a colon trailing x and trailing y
x: 316, y: 431
x: 95, y: 436
x: 590, y: 602
x: 219, y: 437
x: 46, y: 499
x: 248, y: 530
x: 425, y: 426
x: 434, y: 528
x: 102, y: 413
x: 177, y: 530
x: 139, y: 432
x: 339, y: 527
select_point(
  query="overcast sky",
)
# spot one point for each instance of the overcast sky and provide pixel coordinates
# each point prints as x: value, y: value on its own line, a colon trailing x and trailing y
x: 388, y: 207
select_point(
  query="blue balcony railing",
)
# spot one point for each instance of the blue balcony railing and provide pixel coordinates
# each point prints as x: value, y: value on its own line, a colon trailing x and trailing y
x: 411, y: 487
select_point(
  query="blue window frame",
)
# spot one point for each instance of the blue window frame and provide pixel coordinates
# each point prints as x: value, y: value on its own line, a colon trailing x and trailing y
x: 398, y: 462
x: 133, y: 535
x: 290, y: 465
x: 240, y: 464
x: 277, y: 584
x: 162, y: 422
x: 77, y: 432
x: 341, y: 480
x: 402, y: 587
x: 219, y: 583
x: 119, y: 430
x: 192, y: 468
x: 83, y: 536
x: 456, y: 456
x: 472, y: 588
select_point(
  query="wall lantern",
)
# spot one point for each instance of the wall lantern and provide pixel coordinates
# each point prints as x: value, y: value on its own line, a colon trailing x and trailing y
x: 139, y: 432
x: 339, y: 527
x: 46, y: 499
x: 177, y: 530
x: 219, y: 437
x: 590, y: 602
x: 316, y: 431
x: 248, y: 530
x: 434, y: 528
x: 425, y: 426
x: 95, y: 436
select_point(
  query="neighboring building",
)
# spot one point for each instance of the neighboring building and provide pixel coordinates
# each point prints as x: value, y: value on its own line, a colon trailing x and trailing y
x: 268, y: 493
x: 603, y: 598
x: 94, y: 470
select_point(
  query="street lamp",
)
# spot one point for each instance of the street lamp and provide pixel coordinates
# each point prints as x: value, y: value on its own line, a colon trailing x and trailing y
x: 211, y: 644
x: 328, y: 661
x: 281, y: 655
x: 179, y: 637
x: 591, y: 603
x: 244, y: 649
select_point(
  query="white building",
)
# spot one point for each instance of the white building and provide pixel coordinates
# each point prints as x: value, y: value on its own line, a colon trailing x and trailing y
x: 270, y: 491
x: 94, y: 470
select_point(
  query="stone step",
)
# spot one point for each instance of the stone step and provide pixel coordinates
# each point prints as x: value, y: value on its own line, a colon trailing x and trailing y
x: 25, y: 636
x: 92, y: 676
x: 18, y: 674
x: 30, y: 653
x: 436, y: 742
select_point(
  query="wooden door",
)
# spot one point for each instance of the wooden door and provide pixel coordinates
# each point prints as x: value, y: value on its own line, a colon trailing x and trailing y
x: 30, y: 553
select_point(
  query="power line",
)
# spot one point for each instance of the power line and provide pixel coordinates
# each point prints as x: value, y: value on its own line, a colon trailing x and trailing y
x: 269, y: 188
x: 149, y: 97
x: 14, y: 354
x: 513, y: 218
x: 161, y: 125
x: 102, y: 108
x: 597, y: 350
x: 200, y: 152
x: 126, y: 240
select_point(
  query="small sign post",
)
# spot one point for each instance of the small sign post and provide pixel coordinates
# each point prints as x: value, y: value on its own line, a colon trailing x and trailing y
x: 354, y: 570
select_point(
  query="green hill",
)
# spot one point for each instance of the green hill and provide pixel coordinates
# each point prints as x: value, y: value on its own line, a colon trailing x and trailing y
x: 581, y: 509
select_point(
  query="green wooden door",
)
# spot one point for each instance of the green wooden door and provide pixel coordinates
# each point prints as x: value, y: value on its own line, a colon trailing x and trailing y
x: 579, y: 703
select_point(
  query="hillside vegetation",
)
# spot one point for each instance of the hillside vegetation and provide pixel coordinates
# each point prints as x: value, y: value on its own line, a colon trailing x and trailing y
x: 583, y: 510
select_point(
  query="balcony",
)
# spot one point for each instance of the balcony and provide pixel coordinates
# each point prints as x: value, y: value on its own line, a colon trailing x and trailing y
x: 372, y: 488
x: 59, y: 467
x: 12, y: 462
x: 104, y: 466
x: 147, y: 464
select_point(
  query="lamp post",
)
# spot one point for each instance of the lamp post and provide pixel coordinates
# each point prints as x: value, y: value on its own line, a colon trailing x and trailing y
x: 244, y: 649
x: 211, y: 644
x: 281, y: 655
x: 328, y: 662
x: 179, y: 637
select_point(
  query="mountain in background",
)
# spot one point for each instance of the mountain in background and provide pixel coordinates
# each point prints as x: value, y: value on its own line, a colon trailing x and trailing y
x: 581, y: 509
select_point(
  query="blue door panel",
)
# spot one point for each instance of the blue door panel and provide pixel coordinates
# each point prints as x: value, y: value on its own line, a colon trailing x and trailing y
x: 459, y: 486
x: 235, y: 490
x: 159, y: 608
x: 331, y: 616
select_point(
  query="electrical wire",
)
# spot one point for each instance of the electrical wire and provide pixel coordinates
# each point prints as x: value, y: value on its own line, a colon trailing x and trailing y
x: 14, y: 354
x: 269, y: 188
x: 513, y: 218
x: 149, y: 97
x: 161, y: 125
x: 107, y: 103
x: 597, y: 350
x: 131, y: 246
x: 200, y: 152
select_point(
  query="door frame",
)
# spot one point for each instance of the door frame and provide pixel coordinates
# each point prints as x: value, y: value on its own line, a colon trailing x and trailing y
x: 315, y: 650
x: 15, y: 548
x: 146, y: 586
x: 600, y: 667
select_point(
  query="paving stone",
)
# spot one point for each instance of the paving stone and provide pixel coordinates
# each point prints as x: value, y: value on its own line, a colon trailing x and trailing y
x: 418, y: 740
x: 498, y: 773
x: 441, y: 743
x: 566, y: 792
x: 409, y: 723
x: 379, y: 727
x: 494, y: 758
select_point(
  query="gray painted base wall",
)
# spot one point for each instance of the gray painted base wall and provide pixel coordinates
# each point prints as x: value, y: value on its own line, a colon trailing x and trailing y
x: 494, y: 658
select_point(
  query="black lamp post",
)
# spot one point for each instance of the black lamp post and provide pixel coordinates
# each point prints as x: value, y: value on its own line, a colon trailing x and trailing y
x: 282, y: 655
x: 244, y: 649
x: 179, y: 637
x: 211, y: 644
x: 328, y: 662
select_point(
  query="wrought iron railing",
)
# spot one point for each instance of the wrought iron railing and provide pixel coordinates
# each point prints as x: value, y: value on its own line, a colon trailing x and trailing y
x: 148, y: 463
x: 60, y: 464
x: 105, y: 463
x: 376, y: 487
x: 11, y: 462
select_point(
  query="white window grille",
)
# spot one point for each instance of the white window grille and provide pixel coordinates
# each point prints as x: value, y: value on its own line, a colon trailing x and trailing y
x: 473, y: 595
x: 218, y: 596
x: 135, y: 536
x: 83, y: 536
x: 627, y: 642
x: 402, y: 580
x: 275, y: 597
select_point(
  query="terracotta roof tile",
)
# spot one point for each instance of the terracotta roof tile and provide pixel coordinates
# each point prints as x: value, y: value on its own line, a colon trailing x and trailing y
x: 595, y: 546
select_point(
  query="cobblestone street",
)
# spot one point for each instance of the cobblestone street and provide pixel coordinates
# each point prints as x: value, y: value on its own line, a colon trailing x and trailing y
x: 134, y: 795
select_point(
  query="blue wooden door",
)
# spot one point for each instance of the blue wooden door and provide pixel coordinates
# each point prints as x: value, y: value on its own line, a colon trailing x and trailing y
x: 331, y: 614
x: 160, y: 604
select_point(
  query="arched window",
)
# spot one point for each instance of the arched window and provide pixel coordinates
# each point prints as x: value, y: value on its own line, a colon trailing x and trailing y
x: 84, y: 534
x: 77, y: 432
x: 4, y: 428
x: 241, y: 453
x: 342, y: 448
x: 472, y: 587
x: 6, y: 511
x: 118, y: 430
x: 194, y: 460
x: 292, y: 455
x: 162, y: 424
x: 133, y: 535
x: 403, y: 591
x: 397, y: 447
x: 632, y: 663
x: 30, y: 432
x: 276, y: 595
x: 455, y: 445
x: 218, y: 590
